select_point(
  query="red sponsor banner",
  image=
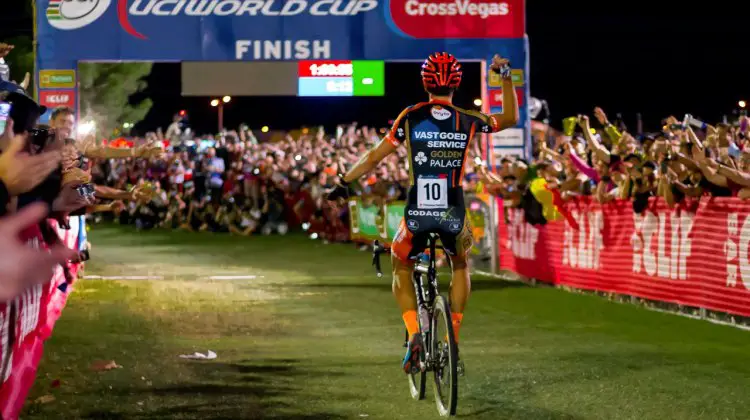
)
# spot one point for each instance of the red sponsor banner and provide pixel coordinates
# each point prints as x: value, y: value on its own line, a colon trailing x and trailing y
x: 496, y: 97
x: 696, y: 254
x: 458, y: 18
x: 57, y: 98
x: 35, y: 313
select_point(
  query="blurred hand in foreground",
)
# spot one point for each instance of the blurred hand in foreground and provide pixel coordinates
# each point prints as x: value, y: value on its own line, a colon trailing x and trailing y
x: 20, y: 265
x: 70, y: 199
x: 19, y: 171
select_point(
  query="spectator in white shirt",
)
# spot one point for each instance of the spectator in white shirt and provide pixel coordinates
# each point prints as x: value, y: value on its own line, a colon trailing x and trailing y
x: 174, y: 131
x: 215, y: 172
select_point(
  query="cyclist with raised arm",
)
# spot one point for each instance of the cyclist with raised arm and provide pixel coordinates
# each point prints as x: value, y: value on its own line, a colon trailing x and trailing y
x: 437, y: 135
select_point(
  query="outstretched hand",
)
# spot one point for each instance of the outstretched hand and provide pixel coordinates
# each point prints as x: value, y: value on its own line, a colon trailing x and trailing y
x: 70, y: 199
x: 5, y: 49
x: 501, y: 66
x: 19, y: 171
x: 601, y: 116
x: 150, y: 151
x: 342, y: 190
x: 22, y: 266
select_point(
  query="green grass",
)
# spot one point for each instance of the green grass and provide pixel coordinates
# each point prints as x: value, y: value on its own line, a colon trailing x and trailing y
x: 318, y: 336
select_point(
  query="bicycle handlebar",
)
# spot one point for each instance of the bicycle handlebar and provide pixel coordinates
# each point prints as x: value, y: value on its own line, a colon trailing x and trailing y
x: 378, y: 248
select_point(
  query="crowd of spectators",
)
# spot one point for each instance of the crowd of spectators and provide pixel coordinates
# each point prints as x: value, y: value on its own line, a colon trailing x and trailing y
x: 234, y: 183
x: 686, y: 158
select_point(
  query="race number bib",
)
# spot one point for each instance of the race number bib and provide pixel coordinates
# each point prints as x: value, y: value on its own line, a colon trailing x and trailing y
x: 432, y: 193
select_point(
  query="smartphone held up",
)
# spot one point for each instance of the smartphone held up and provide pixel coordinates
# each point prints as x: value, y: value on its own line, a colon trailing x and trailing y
x: 4, y: 115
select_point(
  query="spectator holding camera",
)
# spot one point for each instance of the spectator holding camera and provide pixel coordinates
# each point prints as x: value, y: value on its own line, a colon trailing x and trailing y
x: 25, y: 167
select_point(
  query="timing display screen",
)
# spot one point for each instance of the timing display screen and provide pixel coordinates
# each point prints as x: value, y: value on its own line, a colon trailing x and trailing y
x: 341, y: 78
x: 284, y: 78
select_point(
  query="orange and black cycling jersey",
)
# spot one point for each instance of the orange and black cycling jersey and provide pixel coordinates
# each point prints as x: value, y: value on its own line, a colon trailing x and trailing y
x: 437, y: 135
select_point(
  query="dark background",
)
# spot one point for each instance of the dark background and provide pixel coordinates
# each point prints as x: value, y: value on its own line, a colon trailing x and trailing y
x: 653, y: 57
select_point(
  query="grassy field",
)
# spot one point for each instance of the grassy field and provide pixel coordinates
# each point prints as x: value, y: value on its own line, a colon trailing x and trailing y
x: 317, y: 336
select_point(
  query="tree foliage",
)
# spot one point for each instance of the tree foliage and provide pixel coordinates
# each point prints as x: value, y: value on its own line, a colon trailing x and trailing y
x: 106, y: 91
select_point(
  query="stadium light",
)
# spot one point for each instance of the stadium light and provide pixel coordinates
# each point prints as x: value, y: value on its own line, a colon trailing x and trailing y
x: 214, y: 102
x: 226, y: 99
x: 742, y: 104
x: 477, y: 102
x: 86, y: 128
x: 264, y: 129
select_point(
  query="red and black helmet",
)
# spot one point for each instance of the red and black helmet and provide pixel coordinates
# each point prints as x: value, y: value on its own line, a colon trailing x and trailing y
x: 441, y: 70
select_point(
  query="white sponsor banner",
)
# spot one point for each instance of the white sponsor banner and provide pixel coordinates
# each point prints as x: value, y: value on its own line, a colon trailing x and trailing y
x: 509, y: 137
x: 508, y: 151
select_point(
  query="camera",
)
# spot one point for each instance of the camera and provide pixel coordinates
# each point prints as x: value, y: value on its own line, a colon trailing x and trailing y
x: 84, y: 256
x: 41, y: 136
x: 86, y: 190
x: 20, y: 108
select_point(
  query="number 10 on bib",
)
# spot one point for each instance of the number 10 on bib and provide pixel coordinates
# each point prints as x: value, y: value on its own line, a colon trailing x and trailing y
x: 432, y: 193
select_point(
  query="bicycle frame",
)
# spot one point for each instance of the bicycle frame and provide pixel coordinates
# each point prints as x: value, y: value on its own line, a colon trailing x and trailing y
x: 425, y: 292
x: 433, y: 311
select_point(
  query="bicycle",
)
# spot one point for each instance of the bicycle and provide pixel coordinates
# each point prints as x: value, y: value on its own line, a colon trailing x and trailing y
x: 441, y: 350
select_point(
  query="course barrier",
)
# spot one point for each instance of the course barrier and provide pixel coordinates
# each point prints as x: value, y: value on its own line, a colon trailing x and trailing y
x: 695, y: 255
x: 369, y: 221
x: 26, y: 322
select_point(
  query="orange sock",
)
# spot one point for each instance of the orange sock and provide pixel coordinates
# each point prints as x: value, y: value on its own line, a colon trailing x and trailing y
x: 456, y: 320
x: 410, y: 320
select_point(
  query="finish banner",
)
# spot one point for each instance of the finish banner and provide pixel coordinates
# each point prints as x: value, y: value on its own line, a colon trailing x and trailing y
x: 696, y: 254
x: 25, y: 323
x: 267, y: 31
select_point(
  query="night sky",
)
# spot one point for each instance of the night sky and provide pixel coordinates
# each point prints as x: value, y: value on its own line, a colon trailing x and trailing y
x: 653, y: 57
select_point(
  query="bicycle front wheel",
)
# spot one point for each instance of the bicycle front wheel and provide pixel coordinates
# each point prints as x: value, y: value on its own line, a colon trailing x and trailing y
x: 444, y: 355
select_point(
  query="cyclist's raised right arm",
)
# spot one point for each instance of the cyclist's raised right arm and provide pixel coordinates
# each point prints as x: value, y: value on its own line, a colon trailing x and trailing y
x: 370, y: 160
x: 388, y: 145
x: 509, y: 117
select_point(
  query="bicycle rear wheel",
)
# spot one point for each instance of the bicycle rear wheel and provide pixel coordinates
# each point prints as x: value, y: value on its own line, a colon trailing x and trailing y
x: 444, y: 354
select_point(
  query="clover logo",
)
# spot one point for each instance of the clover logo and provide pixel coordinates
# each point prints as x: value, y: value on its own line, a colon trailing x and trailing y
x: 420, y: 158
